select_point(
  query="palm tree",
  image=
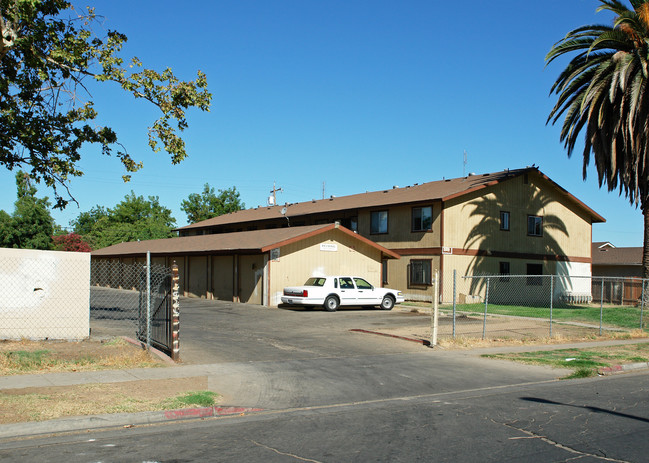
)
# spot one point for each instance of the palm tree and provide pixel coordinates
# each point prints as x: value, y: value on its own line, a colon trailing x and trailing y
x: 603, y: 93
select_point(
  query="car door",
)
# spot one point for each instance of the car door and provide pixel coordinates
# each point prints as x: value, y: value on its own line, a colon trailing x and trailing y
x: 348, y: 293
x: 365, y: 293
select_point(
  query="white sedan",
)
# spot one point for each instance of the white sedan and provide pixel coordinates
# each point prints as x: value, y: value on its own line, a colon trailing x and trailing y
x: 334, y: 291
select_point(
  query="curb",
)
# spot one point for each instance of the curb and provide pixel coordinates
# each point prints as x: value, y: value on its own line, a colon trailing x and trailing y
x: 123, y: 420
x: 419, y: 341
x: 616, y: 369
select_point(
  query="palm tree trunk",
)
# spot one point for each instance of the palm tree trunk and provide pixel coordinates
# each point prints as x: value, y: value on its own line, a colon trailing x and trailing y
x: 645, y: 245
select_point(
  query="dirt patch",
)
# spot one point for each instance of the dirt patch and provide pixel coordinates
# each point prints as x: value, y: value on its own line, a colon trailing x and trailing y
x: 46, y: 403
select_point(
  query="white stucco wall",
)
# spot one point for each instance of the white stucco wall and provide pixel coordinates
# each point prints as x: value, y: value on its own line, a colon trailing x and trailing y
x: 46, y: 294
x: 574, y: 282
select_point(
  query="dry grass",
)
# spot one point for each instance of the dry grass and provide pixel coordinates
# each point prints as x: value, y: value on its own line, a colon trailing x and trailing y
x: 24, y: 357
x: 46, y: 403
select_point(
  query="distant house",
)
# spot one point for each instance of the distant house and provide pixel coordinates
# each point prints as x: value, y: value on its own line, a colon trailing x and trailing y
x: 516, y: 222
x: 611, y: 261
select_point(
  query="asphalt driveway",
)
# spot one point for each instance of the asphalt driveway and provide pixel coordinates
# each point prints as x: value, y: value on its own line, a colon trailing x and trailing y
x: 219, y: 331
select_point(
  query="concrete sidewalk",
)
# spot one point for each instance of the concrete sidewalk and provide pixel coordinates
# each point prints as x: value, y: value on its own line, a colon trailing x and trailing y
x: 233, y: 378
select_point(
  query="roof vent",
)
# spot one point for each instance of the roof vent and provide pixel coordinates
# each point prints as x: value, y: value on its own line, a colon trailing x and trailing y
x: 471, y: 174
x: 395, y: 187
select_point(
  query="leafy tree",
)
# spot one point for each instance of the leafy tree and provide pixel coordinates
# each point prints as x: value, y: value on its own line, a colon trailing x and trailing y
x: 134, y: 218
x: 31, y: 225
x: 49, y: 54
x: 208, y: 204
x: 70, y: 242
x: 603, y: 94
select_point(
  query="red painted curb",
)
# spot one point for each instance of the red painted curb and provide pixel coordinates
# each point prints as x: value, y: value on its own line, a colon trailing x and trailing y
x: 420, y: 341
x: 204, y: 412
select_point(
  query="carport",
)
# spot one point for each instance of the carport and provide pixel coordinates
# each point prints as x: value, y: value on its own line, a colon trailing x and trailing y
x: 254, y: 266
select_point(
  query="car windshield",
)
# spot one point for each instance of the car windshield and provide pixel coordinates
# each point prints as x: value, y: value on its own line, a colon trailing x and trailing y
x: 314, y: 281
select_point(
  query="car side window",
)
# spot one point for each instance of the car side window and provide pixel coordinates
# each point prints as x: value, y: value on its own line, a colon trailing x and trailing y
x: 346, y: 283
x: 362, y: 284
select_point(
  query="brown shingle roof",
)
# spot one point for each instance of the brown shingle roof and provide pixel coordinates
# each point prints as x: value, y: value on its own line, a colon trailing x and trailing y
x: 240, y: 242
x: 616, y: 256
x: 438, y: 190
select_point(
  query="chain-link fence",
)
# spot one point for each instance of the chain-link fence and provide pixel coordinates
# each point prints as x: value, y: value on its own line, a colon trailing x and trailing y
x: 131, y: 299
x: 539, y: 306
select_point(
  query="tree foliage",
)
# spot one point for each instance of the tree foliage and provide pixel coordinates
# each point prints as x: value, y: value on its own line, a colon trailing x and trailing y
x: 49, y: 54
x: 134, y: 218
x: 602, y: 94
x: 31, y: 225
x: 208, y: 204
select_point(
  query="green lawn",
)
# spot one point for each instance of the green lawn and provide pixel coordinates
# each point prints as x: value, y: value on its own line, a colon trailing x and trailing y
x: 613, y: 316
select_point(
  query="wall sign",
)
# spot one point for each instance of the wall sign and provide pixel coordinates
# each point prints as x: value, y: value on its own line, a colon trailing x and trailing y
x: 329, y: 247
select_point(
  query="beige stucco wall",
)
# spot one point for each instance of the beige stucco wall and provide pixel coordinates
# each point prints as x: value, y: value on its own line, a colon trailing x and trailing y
x: 400, y: 234
x: 47, y: 294
x: 566, y: 228
x: 340, y: 254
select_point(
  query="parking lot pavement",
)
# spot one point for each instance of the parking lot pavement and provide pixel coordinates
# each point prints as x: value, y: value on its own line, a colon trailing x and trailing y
x: 218, y: 331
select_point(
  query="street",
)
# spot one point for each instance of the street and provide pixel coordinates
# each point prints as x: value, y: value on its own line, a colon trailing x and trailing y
x: 598, y: 419
x: 331, y: 395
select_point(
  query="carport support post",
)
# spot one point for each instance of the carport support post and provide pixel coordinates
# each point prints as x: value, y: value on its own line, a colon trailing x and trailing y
x: 148, y: 299
x: 435, y: 312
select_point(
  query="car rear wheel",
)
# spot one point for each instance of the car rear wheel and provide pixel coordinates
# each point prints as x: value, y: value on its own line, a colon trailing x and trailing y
x: 387, y: 303
x: 331, y: 304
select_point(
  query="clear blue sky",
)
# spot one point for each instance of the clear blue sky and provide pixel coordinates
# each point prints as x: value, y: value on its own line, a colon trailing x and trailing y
x: 360, y: 95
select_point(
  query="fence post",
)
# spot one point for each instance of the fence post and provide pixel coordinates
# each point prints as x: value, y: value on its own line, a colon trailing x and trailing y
x: 551, y: 300
x: 454, y: 298
x: 175, y: 312
x: 435, y: 313
x: 148, y: 299
x: 601, y: 308
x: 486, y: 304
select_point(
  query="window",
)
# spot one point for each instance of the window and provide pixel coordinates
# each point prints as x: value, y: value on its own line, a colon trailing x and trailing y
x: 346, y: 283
x: 351, y: 223
x: 362, y: 284
x: 422, y: 218
x: 420, y: 271
x: 378, y: 222
x: 534, y: 269
x: 504, y: 270
x: 534, y: 225
x: 504, y: 220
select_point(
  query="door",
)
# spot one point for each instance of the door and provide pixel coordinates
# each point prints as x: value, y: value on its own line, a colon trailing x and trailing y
x: 365, y: 292
x: 348, y: 294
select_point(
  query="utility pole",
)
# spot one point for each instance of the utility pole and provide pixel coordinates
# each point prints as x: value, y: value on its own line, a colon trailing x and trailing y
x: 323, y: 190
x: 274, y: 192
x: 464, y: 165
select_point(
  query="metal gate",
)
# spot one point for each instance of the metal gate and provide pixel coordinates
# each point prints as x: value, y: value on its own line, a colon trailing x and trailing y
x: 158, y: 308
x: 140, y: 297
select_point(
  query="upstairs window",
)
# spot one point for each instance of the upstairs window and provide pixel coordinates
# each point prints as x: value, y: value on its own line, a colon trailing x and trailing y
x: 534, y: 225
x: 378, y: 222
x: 504, y: 220
x: 422, y: 218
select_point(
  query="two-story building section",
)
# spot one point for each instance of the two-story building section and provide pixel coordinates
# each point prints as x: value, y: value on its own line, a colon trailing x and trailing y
x: 516, y: 222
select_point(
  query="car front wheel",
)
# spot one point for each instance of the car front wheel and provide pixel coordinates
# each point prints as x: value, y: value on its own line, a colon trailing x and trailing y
x: 387, y: 303
x: 331, y: 304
